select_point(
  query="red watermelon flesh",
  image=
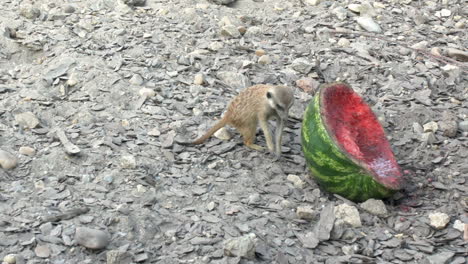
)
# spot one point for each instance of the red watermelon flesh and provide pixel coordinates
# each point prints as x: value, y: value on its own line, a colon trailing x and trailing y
x: 356, y: 129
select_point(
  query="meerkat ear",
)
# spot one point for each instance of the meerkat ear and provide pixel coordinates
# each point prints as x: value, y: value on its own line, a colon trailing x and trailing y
x: 268, y: 95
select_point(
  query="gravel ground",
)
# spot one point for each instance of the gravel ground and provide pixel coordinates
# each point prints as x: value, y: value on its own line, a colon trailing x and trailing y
x: 98, y: 97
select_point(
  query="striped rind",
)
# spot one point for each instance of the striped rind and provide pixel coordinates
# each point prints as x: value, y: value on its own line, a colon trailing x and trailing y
x: 330, y: 167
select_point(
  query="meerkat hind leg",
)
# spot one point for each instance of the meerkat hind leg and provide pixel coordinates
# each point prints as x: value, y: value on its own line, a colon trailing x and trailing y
x: 248, y: 133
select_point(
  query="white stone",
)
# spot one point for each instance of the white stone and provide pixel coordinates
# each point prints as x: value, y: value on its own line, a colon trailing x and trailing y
x: 223, y: 134
x: 312, y: 2
x: 431, y: 127
x: 375, y: 207
x: 147, y: 92
x: 459, y: 225
x: 368, y: 24
x: 355, y: 8
x: 27, y: 151
x: 439, y: 220
x: 305, y: 212
x: 296, y: 180
x: 343, y: 42
x: 445, y: 13
x: 265, y: 59
x: 7, y: 160
x: 349, y: 214
x: 128, y: 162
x: 10, y: 259
x: 199, y: 79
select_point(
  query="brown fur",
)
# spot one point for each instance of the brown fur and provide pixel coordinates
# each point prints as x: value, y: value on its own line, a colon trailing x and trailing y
x: 249, y: 108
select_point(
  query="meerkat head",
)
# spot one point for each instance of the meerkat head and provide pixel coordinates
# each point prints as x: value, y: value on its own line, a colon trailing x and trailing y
x: 280, y: 98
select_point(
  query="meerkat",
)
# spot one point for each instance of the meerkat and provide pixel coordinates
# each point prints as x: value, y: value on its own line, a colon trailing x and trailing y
x: 254, y: 106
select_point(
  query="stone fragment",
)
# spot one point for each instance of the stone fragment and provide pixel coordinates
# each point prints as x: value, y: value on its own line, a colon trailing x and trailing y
x: 128, y: 162
x: 134, y: 2
x: 10, y: 259
x: 302, y: 65
x: 7, y: 160
x: 428, y: 138
x: 439, y: 220
x: 305, y: 212
x: 118, y: 257
x: 459, y: 225
x: 325, y: 224
x: 368, y: 24
x: 344, y: 42
x: 308, y: 240
x: 349, y: 214
x: 236, y: 80
x: 222, y: 2
x: 230, y: 31
x: 136, y: 79
x: 312, y: 2
x: 463, y: 125
x: 260, y: 52
x: 308, y: 85
x: 440, y: 258
x: 30, y: 12
x: 147, y: 92
x: 27, y: 120
x: 223, y: 134
x: 70, y: 148
x: 265, y: 59
x: 253, y: 31
x: 340, y: 12
x: 449, y: 127
x: 431, y: 127
x: 69, y: 9
x: 199, y: 79
x: 243, y: 247
x: 91, y: 238
x: 296, y: 180
x: 375, y: 207
x: 42, y: 251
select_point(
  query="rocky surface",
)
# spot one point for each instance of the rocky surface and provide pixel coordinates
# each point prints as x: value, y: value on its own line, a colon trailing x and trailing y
x: 97, y: 98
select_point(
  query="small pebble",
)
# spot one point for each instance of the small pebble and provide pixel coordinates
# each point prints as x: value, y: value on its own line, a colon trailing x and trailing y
x: 343, y: 42
x: 128, y: 162
x: 243, y: 247
x: 7, y: 160
x: 147, y: 92
x: 305, y: 212
x: 27, y: 120
x: 369, y: 24
x: 375, y: 207
x: 136, y: 80
x: 439, y: 220
x: 223, y: 134
x: 265, y: 59
x: 260, y: 52
x: 349, y: 214
x: 68, y: 9
x: 92, y: 238
x: 42, y: 251
x: 296, y: 180
x: 10, y: 259
x: 199, y: 79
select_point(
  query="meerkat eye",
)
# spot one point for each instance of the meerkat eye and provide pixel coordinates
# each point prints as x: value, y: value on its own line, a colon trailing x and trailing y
x: 268, y: 95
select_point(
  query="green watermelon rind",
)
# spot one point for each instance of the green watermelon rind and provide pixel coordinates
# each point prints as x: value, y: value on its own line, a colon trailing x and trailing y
x: 334, y: 170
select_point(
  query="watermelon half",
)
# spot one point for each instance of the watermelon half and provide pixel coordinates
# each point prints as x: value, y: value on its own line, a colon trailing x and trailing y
x: 345, y: 146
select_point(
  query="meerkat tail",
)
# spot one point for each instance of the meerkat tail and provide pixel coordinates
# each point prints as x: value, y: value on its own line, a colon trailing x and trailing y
x: 210, y: 132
